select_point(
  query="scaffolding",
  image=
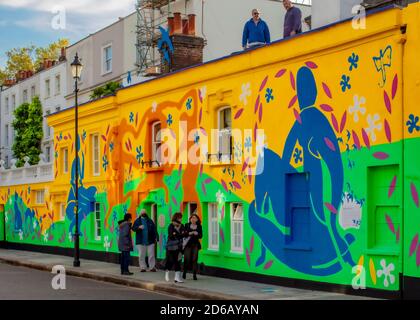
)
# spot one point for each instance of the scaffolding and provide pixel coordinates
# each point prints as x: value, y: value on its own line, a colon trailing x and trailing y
x: 150, y: 15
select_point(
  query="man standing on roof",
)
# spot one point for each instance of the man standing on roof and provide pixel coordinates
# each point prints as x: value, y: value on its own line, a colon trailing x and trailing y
x: 256, y: 31
x: 292, y: 20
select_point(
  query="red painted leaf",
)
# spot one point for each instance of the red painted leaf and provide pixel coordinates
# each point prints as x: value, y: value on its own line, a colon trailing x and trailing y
x: 292, y: 102
x: 394, y: 86
x: 201, y: 169
x: 203, y: 187
x: 292, y: 81
x: 327, y: 90
x: 263, y: 83
x: 248, y: 258
x: 222, y: 235
x: 418, y: 256
x: 236, y: 185
x: 329, y: 144
x: 280, y: 73
x: 387, y: 131
x: 414, y: 244
x: 381, y: 155
x: 387, y: 102
x: 103, y: 138
x: 268, y: 265
x: 398, y: 234
x: 251, y: 245
x: 356, y: 140
x: 245, y: 165
x: 203, y: 131
x: 174, y: 200
x: 366, y: 138
x: 334, y: 122
x: 208, y: 180
x: 130, y: 168
x: 224, y: 185
x: 137, y: 118
x: 331, y: 208
x: 177, y: 185
x: 326, y: 108
x: 249, y: 175
x: 392, y: 187
x: 414, y: 194
x: 257, y: 104
x: 343, y: 121
x: 222, y: 213
x: 390, y: 223
x: 297, y: 116
x: 107, y: 129
x: 311, y: 65
x: 260, y: 113
x: 239, y: 113
x: 200, y: 116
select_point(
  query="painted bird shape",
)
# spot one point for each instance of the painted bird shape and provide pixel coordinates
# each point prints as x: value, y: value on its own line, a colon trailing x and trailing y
x: 165, y: 44
x: 383, y: 61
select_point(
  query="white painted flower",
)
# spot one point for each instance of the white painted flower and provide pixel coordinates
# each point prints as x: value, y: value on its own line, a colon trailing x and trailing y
x: 34, y: 224
x: 20, y: 235
x: 350, y: 214
x: 107, y: 243
x: 154, y: 106
x: 246, y: 92
x: 220, y: 196
x: 6, y: 217
x: 203, y: 92
x: 261, y: 144
x: 70, y: 237
x: 386, y: 272
x: 357, y: 107
x: 46, y: 237
x: 373, y: 122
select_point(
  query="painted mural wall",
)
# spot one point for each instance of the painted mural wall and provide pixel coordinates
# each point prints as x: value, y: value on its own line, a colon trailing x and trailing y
x: 324, y: 161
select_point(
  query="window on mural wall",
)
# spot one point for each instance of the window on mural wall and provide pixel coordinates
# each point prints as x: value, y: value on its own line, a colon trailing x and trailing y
x: 225, y: 133
x: 213, y: 224
x: 156, y: 142
x: 97, y: 222
x: 192, y: 208
x: 107, y: 59
x: 95, y: 154
x: 236, y: 227
x: 65, y: 153
x: 40, y: 196
x: 62, y: 210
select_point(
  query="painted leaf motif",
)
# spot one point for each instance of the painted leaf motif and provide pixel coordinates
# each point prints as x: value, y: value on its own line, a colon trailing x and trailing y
x: 248, y: 258
x: 180, y: 169
x: 327, y: 90
x: 372, y: 271
x: 414, y: 194
x: 263, y: 83
x: 356, y: 140
x: 251, y: 245
x: 334, y: 122
x: 268, y: 265
x: 222, y: 213
x: 107, y: 129
x: 203, y: 131
x: 360, y: 264
x: 222, y: 235
x: 311, y: 65
x: 326, y: 108
x: 394, y: 86
x: 245, y: 165
x: 174, y: 200
x: 280, y: 73
x: 224, y: 185
x: 387, y: 131
x: 381, y: 155
x: 297, y: 116
x: 387, y: 102
x: 203, y: 188
x: 236, y: 185
x: 414, y: 244
x: 239, y: 113
x: 392, y: 187
x: 331, y: 208
x: 208, y: 180
x: 249, y: 175
x: 177, y: 185
x: 366, y: 138
x: 343, y: 121
x: 390, y: 223
x: 292, y: 102
x: 200, y: 115
x: 257, y: 104
x: 418, y: 256
x: 398, y: 234
x: 292, y: 81
x: 201, y: 169
x: 329, y: 144
x: 260, y: 114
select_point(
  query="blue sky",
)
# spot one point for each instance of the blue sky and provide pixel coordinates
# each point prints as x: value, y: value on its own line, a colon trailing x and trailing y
x: 25, y: 22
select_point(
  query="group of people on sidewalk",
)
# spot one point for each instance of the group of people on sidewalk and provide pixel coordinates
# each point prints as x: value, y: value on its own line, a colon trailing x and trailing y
x: 256, y: 32
x: 183, y: 242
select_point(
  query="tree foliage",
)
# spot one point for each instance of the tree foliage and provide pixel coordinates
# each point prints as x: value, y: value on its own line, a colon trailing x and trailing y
x: 51, y: 52
x: 105, y: 90
x: 29, y: 133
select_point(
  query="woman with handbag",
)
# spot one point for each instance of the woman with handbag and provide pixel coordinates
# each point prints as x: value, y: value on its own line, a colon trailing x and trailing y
x: 176, y: 234
x: 194, y: 232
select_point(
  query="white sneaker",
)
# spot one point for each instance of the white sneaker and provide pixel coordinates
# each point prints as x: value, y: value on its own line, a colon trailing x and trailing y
x: 167, y: 276
x: 178, y: 278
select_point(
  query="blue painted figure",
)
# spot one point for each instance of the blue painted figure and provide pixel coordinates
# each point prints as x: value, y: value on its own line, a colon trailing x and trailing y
x: 86, y: 195
x: 304, y: 235
x: 18, y: 213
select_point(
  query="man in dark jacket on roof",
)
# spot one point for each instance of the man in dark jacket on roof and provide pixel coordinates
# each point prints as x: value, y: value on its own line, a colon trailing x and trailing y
x: 125, y: 243
x: 256, y: 32
x: 292, y: 20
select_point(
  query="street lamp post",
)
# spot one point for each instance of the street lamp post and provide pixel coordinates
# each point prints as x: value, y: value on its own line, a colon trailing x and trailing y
x: 76, y: 70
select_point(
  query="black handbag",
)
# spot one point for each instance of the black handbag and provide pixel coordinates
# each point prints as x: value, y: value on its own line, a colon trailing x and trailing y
x: 173, y: 245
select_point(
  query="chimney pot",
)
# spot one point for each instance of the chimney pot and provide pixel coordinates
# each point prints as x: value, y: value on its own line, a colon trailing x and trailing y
x: 177, y: 23
x: 171, y: 25
x: 191, y: 24
x: 185, y: 26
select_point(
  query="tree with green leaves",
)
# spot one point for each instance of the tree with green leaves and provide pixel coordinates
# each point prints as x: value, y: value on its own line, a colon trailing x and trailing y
x: 29, y: 133
x: 105, y: 90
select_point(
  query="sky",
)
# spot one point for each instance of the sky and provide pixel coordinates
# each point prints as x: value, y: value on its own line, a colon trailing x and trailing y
x: 40, y: 22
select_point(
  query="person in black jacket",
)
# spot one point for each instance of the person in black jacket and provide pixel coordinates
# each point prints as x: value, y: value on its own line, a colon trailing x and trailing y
x: 125, y: 243
x: 146, y: 238
x: 194, y: 233
x: 176, y: 234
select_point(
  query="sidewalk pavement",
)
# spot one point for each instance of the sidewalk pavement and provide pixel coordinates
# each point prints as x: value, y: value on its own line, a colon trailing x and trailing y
x: 206, y: 288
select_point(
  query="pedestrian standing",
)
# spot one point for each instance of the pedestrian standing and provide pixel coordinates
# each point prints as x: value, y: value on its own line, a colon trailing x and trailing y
x: 256, y: 32
x: 125, y: 243
x: 292, y: 20
x: 192, y: 245
x: 176, y: 234
x: 146, y: 238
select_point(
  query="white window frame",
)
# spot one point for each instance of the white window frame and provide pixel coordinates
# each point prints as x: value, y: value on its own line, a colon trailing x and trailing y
x: 57, y: 84
x: 40, y: 196
x: 47, y: 127
x: 104, y: 59
x: 97, y: 225
x: 62, y: 211
x: 236, y: 225
x: 226, y: 157
x: 96, y: 154
x: 47, y: 88
x: 156, y: 144
x: 65, y: 163
x: 213, y: 226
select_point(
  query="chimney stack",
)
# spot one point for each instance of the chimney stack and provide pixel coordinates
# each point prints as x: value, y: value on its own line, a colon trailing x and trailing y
x: 177, y: 23
x: 191, y: 24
